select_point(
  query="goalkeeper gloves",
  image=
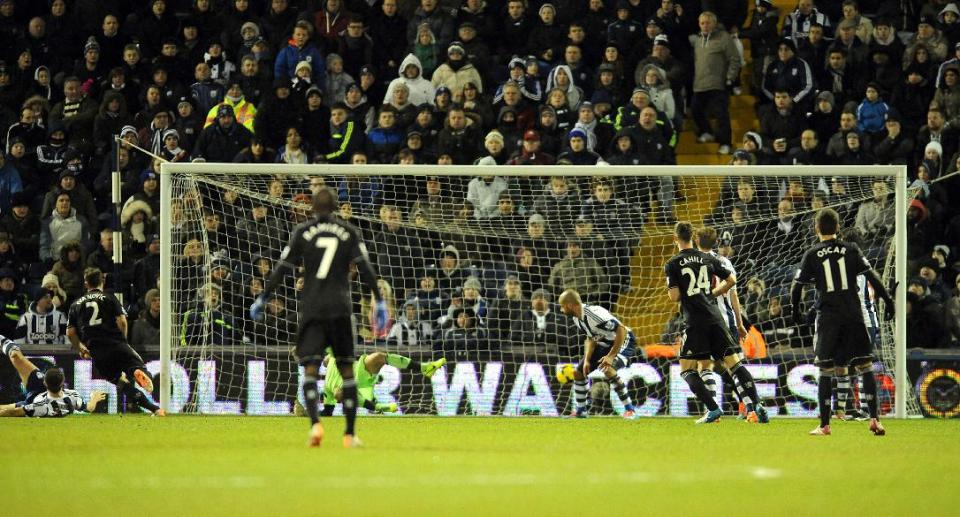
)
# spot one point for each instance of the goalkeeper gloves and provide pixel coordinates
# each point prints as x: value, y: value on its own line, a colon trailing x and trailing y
x: 380, y: 316
x: 256, y: 309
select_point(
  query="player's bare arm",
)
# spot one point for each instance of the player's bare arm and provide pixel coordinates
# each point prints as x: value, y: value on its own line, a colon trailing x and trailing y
x: 588, y: 347
x: 607, y: 361
x: 122, y: 324
x: 674, y: 293
x: 95, y: 398
x: 12, y: 411
x: 737, y: 313
x: 724, y: 286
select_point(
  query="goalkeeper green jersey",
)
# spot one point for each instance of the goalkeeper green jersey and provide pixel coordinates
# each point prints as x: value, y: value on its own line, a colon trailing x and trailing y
x: 334, y: 381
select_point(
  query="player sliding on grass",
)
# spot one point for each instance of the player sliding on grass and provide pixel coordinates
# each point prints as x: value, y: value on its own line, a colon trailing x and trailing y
x: 729, y: 305
x: 365, y: 371
x: 690, y: 282
x: 45, y: 394
x: 326, y: 246
x: 609, y: 346
x: 841, y: 336
x: 97, y: 329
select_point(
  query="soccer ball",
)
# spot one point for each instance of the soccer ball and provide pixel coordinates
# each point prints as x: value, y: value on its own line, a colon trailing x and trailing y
x: 565, y: 373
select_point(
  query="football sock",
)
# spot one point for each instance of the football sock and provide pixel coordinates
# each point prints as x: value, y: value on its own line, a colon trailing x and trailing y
x: 402, y: 362
x: 621, y: 389
x: 737, y: 389
x: 748, y: 389
x: 863, y: 401
x: 138, y: 396
x: 869, y: 392
x: 824, y: 396
x: 369, y: 405
x: 350, y: 403
x: 699, y: 389
x: 843, y: 391
x: 311, y: 396
x: 8, y: 347
x: 580, y: 393
x: 710, y: 381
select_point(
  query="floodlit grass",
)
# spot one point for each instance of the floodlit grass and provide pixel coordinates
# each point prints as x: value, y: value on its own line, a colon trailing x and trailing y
x: 108, y: 465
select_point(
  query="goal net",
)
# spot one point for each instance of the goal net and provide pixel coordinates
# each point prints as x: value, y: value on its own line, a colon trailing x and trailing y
x: 472, y: 259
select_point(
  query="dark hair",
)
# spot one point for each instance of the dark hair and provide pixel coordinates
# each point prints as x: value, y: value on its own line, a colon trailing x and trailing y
x: 684, y: 231
x: 53, y: 379
x: 707, y: 238
x: 827, y: 221
x: 93, y: 277
x: 325, y: 201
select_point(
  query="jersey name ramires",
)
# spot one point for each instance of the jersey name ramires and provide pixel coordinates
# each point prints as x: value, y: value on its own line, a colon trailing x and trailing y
x: 335, y: 229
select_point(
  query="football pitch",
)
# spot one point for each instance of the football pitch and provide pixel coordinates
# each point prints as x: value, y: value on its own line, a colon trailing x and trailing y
x: 103, y: 465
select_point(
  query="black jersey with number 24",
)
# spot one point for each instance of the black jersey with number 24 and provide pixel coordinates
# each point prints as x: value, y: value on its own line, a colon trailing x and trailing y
x: 326, y: 247
x: 692, y: 271
x: 833, y: 266
x: 94, y: 315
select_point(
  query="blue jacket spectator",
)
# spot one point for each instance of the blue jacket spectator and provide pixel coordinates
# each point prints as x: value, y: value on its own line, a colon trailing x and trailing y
x: 10, y: 183
x: 300, y: 49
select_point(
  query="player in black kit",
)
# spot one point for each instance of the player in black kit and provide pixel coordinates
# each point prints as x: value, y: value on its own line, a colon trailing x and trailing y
x: 326, y: 246
x: 689, y: 281
x: 97, y: 329
x: 841, y: 337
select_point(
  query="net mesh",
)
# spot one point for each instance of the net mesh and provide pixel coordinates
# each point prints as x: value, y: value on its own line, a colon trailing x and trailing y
x: 472, y: 266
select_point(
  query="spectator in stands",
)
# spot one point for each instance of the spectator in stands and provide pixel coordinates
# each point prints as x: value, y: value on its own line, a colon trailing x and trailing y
x: 951, y: 316
x: 224, y: 139
x: 300, y: 49
x: 764, y: 38
x: 102, y: 257
x: 797, y: 24
x: 205, y: 323
x: 897, y: 147
x: 505, y: 310
x: 781, y: 123
x: 577, y: 153
x: 138, y: 223
x: 10, y: 183
x: 808, y: 152
x: 580, y: 273
x: 872, y: 111
x: 22, y: 227
x: 716, y: 66
x: 464, y: 338
x: 64, y: 225
x: 483, y: 194
x: 172, y: 152
x: 42, y: 324
x: 410, y: 329
x: 875, y: 218
x: 13, y: 302
x: 661, y: 95
x: 28, y: 128
x: 69, y: 270
x: 929, y: 271
x: 439, y: 20
x: 76, y: 111
x: 145, y: 331
x: 791, y: 74
x: 431, y: 300
x: 925, y: 327
x: 495, y: 141
x: 244, y: 111
x: 558, y: 204
x: 855, y: 153
x: 856, y: 49
x: 456, y: 71
x: 537, y: 325
x: 530, y: 152
x: 929, y: 36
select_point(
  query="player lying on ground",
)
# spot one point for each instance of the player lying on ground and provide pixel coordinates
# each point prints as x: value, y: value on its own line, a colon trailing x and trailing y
x: 46, y: 395
x: 690, y: 276
x: 326, y: 246
x: 841, y: 334
x: 729, y: 305
x: 97, y: 329
x: 365, y: 371
x: 609, y: 347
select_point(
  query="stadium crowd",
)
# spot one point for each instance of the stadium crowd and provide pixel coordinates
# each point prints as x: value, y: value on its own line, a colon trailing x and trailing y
x: 601, y: 82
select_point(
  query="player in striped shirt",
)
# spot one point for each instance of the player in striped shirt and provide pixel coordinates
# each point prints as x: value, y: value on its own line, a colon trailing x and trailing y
x: 729, y: 305
x: 46, y: 394
x: 609, y: 347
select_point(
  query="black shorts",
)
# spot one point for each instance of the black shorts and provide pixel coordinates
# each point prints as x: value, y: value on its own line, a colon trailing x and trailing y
x: 34, y: 385
x: 841, y: 342
x: 317, y: 335
x: 709, y: 342
x: 113, y: 358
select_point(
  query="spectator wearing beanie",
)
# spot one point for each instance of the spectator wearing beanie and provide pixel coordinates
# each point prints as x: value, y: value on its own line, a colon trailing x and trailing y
x: 22, y: 226
x: 224, y: 139
x: 456, y: 71
x: 244, y: 111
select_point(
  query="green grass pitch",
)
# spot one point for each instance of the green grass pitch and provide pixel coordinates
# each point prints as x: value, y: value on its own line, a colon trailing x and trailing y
x: 107, y: 465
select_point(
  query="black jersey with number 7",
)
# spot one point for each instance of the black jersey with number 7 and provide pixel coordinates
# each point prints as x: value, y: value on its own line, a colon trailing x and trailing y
x: 692, y: 271
x: 833, y: 266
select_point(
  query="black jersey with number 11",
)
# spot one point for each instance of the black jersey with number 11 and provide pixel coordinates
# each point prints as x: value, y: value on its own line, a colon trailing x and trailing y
x: 833, y: 266
x: 692, y: 271
x: 326, y: 247
x: 94, y: 315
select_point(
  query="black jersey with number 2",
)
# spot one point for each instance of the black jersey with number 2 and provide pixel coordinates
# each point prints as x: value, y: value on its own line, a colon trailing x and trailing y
x: 692, y: 271
x: 833, y: 266
x: 94, y: 315
x: 326, y: 247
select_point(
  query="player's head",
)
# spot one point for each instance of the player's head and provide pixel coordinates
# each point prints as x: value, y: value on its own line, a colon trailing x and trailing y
x: 827, y: 222
x: 93, y: 278
x: 706, y: 238
x: 683, y: 233
x: 325, y: 201
x: 570, y: 302
x: 53, y: 380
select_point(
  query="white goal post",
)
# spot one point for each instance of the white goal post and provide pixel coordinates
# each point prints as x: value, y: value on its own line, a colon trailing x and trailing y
x: 697, y: 188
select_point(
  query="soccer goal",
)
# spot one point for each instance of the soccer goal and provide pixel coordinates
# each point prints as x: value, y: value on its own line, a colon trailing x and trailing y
x: 472, y: 259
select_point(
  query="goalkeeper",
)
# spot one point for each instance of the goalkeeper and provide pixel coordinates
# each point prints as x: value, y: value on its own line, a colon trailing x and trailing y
x: 366, y: 371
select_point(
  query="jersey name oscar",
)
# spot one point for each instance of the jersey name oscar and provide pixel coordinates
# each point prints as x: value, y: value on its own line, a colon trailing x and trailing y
x: 830, y: 250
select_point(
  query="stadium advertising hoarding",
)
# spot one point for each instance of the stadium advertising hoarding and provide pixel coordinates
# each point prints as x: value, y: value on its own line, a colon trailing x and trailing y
x: 508, y: 386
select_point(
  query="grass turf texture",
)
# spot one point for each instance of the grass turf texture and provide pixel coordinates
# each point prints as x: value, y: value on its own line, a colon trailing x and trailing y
x: 474, y: 466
